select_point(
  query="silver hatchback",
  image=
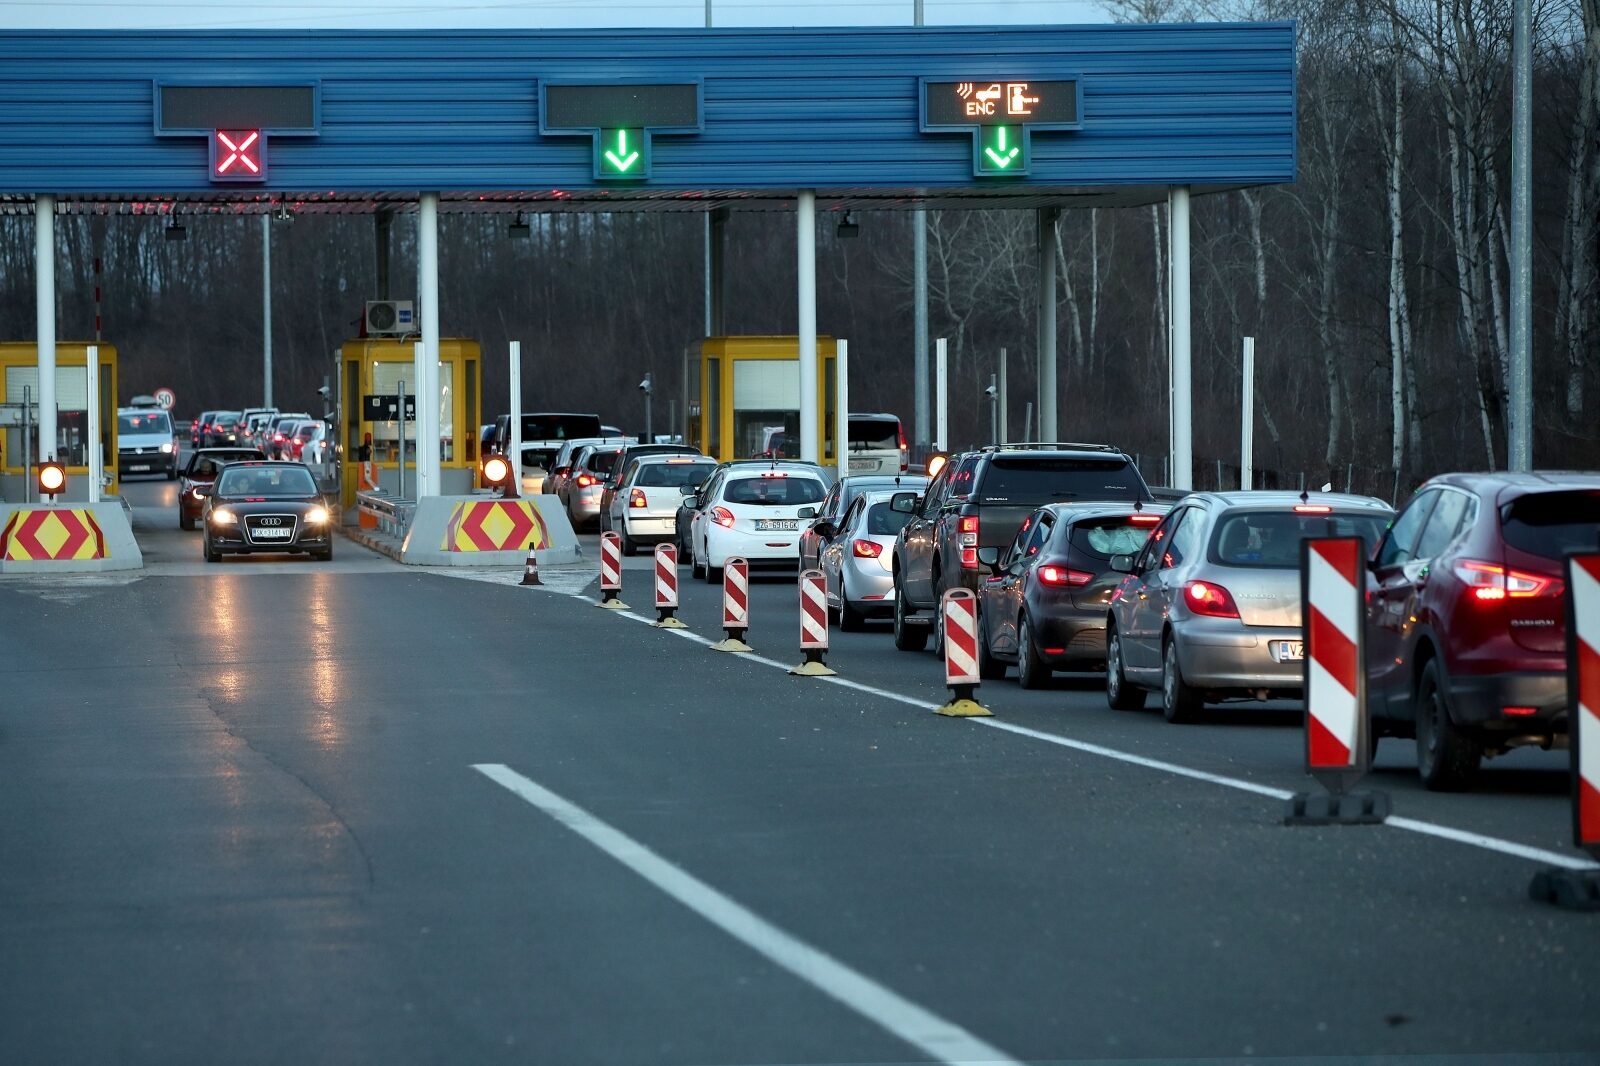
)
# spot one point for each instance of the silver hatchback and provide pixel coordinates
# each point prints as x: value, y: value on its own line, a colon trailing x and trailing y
x: 1210, y: 608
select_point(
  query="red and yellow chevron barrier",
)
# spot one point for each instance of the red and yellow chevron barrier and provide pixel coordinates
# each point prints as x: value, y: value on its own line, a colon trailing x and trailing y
x: 52, y: 535
x: 495, y: 525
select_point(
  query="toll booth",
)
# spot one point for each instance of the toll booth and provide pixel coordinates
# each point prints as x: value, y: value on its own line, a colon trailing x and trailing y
x: 19, y: 371
x: 743, y: 397
x: 375, y: 366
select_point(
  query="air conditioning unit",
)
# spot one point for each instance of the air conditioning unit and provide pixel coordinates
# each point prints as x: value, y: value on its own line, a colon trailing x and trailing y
x: 390, y: 317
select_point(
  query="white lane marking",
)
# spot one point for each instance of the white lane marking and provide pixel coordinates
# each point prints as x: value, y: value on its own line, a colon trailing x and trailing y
x: 941, y: 1040
x: 1433, y: 829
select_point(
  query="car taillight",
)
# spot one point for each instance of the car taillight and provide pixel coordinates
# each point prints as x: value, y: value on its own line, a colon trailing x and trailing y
x: 277, y: 438
x: 1490, y: 582
x: 1312, y: 508
x: 866, y: 549
x: 1144, y: 519
x: 1057, y: 576
x: 722, y: 517
x: 968, y: 527
x: 584, y: 481
x: 636, y: 498
x: 1210, y: 599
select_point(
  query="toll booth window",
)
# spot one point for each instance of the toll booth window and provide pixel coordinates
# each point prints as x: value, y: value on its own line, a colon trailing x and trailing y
x: 469, y: 396
x: 447, y: 412
x: 72, y: 417
x: 765, y: 403
x: 711, y: 418
x: 386, y: 379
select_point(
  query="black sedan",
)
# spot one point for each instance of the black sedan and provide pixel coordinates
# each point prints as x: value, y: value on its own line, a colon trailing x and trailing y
x: 266, y: 507
x: 1043, y: 605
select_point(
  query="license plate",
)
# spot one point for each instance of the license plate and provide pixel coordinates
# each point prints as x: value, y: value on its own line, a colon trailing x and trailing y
x: 776, y: 524
x: 863, y: 464
x: 271, y: 533
x: 1288, y: 651
x: 138, y: 467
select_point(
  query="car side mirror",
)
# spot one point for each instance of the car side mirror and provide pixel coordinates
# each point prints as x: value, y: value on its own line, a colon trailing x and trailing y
x: 990, y: 556
x: 688, y: 490
x: 825, y: 529
x: 904, y: 502
x: 1122, y: 564
x: 806, y: 512
x: 202, y: 490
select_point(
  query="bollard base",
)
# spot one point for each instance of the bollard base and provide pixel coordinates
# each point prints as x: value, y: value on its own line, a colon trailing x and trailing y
x: 1573, y: 890
x: 813, y: 668
x: 964, y: 708
x: 612, y: 605
x: 731, y: 644
x: 1344, y: 808
x: 669, y: 622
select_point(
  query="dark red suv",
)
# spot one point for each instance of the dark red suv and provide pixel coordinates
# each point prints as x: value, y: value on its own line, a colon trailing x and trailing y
x: 1466, y: 623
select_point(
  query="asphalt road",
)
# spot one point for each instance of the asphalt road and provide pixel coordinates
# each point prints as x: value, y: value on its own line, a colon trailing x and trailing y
x: 279, y: 811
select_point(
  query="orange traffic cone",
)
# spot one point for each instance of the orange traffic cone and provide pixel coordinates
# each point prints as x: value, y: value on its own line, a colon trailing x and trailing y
x: 530, y: 572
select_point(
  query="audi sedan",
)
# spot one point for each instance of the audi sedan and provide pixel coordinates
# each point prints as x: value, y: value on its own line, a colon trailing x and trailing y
x: 266, y: 507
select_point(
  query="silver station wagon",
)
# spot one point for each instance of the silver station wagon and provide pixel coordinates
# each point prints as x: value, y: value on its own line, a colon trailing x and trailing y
x: 1210, y: 608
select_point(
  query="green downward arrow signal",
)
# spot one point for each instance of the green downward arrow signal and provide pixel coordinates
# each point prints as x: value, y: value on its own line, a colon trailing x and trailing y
x: 1002, y: 158
x: 620, y: 158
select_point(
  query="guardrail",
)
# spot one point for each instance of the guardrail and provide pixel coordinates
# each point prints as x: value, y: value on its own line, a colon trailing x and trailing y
x: 385, y: 512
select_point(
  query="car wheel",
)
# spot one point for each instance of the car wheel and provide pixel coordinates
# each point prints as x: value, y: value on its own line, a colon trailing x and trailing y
x: 325, y: 555
x: 209, y: 551
x: 1031, y: 673
x: 1447, y: 759
x: 172, y: 473
x: 938, y: 615
x: 850, y: 619
x: 989, y: 668
x: 1120, y: 693
x: 629, y: 546
x: 1180, y: 703
x: 184, y: 521
x: 713, y: 574
x: 907, y: 637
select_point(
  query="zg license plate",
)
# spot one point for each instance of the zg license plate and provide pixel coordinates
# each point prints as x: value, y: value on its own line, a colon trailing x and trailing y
x: 863, y: 464
x: 1288, y: 651
x: 271, y: 533
x: 138, y: 467
x: 776, y: 524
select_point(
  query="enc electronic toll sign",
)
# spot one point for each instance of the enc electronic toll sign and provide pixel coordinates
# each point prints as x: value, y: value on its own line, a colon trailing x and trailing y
x: 1000, y: 114
x: 619, y: 118
x: 235, y: 119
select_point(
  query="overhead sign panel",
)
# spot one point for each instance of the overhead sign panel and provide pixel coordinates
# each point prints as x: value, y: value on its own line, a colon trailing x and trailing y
x: 199, y: 109
x: 1000, y: 102
x: 620, y: 118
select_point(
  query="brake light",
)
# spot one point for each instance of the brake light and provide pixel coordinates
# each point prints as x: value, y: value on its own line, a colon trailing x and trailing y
x: 1520, y: 712
x: 584, y: 481
x: 774, y: 473
x: 969, y: 558
x: 1145, y: 519
x: 1057, y: 576
x: 277, y: 438
x: 636, y: 498
x: 1490, y: 583
x: 969, y: 531
x: 722, y: 517
x: 866, y: 549
x: 1313, y: 508
x: 1210, y: 599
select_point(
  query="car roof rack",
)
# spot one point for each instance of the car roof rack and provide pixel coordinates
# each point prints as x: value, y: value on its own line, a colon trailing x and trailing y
x: 1056, y: 445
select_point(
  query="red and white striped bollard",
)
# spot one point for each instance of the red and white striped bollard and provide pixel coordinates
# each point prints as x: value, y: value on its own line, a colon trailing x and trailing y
x: 667, y: 587
x: 958, y: 613
x: 611, y: 572
x: 813, y: 625
x: 735, y: 606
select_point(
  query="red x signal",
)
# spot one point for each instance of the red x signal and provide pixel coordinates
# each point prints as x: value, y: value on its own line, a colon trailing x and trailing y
x: 238, y: 155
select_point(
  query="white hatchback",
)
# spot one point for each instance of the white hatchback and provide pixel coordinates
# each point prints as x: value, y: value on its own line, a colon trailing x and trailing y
x: 756, y: 514
x: 645, y: 506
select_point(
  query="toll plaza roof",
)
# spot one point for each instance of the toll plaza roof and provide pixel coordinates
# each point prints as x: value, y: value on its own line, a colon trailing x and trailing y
x: 348, y: 121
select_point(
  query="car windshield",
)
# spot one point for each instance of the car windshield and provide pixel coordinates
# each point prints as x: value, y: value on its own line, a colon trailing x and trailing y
x: 559, y: 427
x: 602, y: 462
x: 1271, y: 539
x: 1552, y: 525
x: 144, y: 422
x: 874, y: 433
x: 673, y: 475
x: 305, y: 432
x: 1101, y: 538
x: 769, y: 491
x: 882, y: 522
x: 1039, y: 479
x: 279, y: 479
x: 541, y: 458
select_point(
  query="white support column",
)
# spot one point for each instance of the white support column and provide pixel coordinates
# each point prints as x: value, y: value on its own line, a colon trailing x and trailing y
x: 419, y: 363
x: 941, y: 395
x: 44, y: 270
x: 1047, y: 323
x: 806, y: 240
x: 1247, y: 417
x: 96, y: 460
x: 515, y: 445
x: 1182, y: 471
x: 841, y: 414
x: 266, y: 310
x: 428, y: 383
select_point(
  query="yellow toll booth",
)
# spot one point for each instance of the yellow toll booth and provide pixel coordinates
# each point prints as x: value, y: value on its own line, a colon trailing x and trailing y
x: 19, y: 371
x: 744, y: 397
x: 374, y: 366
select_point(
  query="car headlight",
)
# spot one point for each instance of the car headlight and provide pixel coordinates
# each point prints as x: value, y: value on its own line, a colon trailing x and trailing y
x: 167, y: 447
x: 224, y: 517
x: 317, y: 515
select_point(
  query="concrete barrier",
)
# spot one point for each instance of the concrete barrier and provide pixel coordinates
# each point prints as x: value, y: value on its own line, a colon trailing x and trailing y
x: 484, y: 530
x: 66, y: 538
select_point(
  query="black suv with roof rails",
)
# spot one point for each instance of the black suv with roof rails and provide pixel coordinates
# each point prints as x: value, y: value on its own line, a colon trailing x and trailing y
x: 980, y: 500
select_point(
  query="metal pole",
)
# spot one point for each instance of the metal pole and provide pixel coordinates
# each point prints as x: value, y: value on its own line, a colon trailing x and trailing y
x: 27, y: 443
x: 941, y: 397
x: 400, y: 415
x: 428, y: 384
x: 1520, y: 386
x: 649, y: 420
x: 266, y: 311
x: 841, y: 404
x: 1247, y: 417
x: 1047, y: 322
x: 1004, y: 398
x: 1178, y: 259
x: 514, y: 441
x: 94, y: 458
x: 994, y: 409
x: 44, y: 266
x: 919, y: 303
x: 1027, y: 420
x: 805, y: 221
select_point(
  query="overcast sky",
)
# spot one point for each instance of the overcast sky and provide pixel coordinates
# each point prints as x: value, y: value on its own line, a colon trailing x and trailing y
x: 478, y: 14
